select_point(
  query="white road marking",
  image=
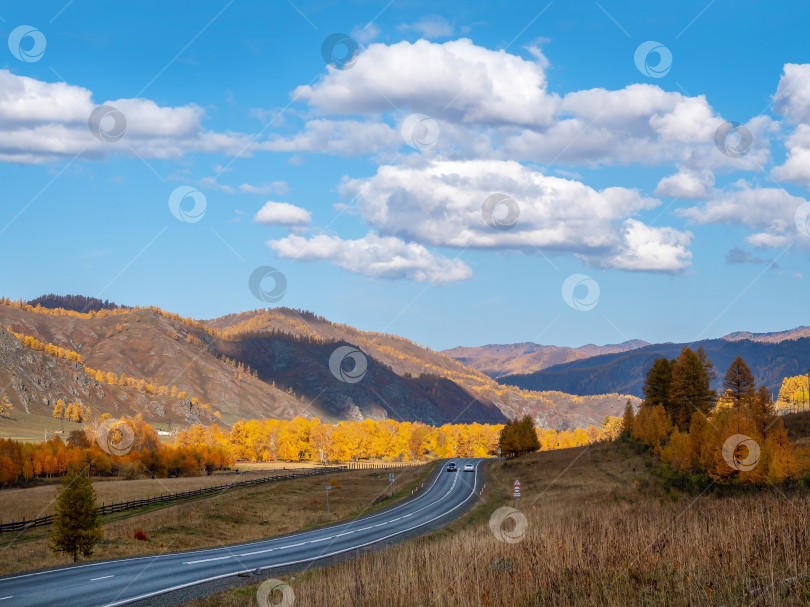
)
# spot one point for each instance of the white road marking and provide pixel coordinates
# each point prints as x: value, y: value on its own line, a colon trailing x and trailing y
x: 11, y: 596
x: 95, y: 579
x: 219, y: 558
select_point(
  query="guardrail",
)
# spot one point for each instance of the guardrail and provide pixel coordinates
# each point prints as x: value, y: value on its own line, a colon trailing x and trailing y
x: 170, y: 497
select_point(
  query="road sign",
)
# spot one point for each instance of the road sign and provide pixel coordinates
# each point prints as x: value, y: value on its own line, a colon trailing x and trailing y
x: 328, y: 487
x: 517, y: 483
x: 517, y: 494
x: 391, y: 477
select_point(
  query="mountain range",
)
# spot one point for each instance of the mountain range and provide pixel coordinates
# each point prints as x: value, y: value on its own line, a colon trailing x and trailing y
x: 498, y: 360
x: 260, y: 364
x: 623, y: 367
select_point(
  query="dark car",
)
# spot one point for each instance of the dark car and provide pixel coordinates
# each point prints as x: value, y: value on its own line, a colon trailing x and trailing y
x: 451, y: 467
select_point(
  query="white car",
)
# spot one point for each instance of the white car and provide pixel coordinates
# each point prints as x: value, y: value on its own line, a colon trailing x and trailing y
x: 469, y: 468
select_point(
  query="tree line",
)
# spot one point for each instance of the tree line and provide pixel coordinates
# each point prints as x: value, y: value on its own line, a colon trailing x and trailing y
x: 200, y: 449
x: 793, y: 391
x: 141, y: 454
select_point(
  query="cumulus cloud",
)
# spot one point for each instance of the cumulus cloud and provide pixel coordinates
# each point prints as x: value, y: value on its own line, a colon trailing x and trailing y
x: 796, y: 168
x: 640, y: 123
x: 686, y: 185
x: 456, y: 79
x: 374, y: 256
x: 771, y: 211
x: 649, y: 248
x: 494, y: 104
x: 440, y: 203
x: 282, y: 214
x: 792, y: 98
x: 42, y: 122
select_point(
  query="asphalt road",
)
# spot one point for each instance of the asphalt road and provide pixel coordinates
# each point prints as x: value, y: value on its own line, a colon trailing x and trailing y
x: 124, y: 581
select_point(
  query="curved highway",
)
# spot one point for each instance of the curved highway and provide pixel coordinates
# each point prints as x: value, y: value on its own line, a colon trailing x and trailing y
x: 119, y: 582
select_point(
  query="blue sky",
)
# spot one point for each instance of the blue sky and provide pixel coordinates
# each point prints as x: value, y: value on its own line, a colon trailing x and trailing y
x: 364, y: 186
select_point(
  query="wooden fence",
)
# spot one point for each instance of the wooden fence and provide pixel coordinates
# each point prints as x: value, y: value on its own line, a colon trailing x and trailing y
x: 380, y: 465
x: 133, y: 504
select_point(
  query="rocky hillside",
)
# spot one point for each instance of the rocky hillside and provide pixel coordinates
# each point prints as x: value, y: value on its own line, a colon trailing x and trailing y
x: 33, y: 381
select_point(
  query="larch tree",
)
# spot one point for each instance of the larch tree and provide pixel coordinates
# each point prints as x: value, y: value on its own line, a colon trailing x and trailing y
x: 739, y: 382
x: 658, y: 385
x: 76, y: 526
x: 5, y: 407
x: 629, y: 418
x: 691, y: 388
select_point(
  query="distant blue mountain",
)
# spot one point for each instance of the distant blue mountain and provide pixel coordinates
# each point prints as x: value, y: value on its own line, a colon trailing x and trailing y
x: 771, y: 357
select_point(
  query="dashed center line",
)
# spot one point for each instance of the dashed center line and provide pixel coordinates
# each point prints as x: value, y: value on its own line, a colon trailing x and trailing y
x: 95, y: 579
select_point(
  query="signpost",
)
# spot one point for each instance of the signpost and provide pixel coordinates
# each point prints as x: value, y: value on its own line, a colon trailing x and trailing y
x: 328, y: 487
x: 517, y: 492
x: 499, y: 451
x: 391, y: 480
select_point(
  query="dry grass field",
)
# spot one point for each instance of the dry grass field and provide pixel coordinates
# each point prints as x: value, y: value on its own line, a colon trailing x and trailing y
x: 599, y: 532
x: 38, y: 501
x: 33, y: 502
x: 239, y: 515
x: 32, y: 428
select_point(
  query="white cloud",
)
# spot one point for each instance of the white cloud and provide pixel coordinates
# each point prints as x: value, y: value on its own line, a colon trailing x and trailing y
x: 797, y: 164
x: 429, y: 26
x: 440, y: 204
x: 685, y: 185
x: 652, y: 249
x: 770, y: 211
x: 792, y: 98
x: 374, y: 256
x: 282, y: 214
x: 457, y: 78
x: 276, y: 187
x: 42, y: 122
x: 640, y: 123
x: 493, y: 104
